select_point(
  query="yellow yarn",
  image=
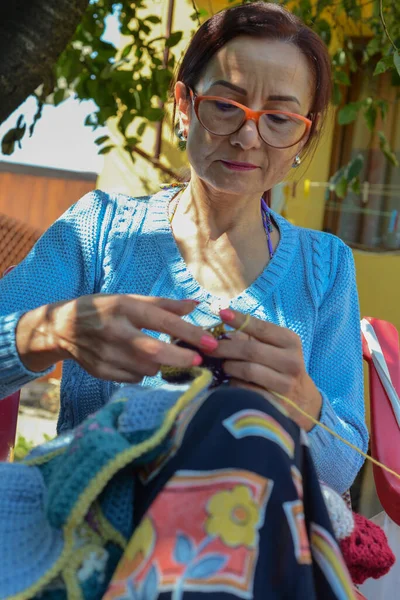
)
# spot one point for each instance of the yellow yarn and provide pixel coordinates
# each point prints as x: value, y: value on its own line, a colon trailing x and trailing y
x: 244, y: 324
x: 339, y: 437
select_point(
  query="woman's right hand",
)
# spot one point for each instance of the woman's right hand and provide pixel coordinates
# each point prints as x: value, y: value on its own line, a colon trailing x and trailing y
x: 103, y: 333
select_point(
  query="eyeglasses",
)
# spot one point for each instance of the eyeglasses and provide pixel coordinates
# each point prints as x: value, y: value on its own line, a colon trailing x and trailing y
x: 221, y: 116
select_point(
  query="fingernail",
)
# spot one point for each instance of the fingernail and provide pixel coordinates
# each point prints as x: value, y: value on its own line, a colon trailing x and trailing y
x: 192, y: 301
x: 227, y: 314
x: 197, y: 360
x: 208, y: 343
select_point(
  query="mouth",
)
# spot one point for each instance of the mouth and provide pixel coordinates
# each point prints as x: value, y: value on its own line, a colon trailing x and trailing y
x: 238, y: 166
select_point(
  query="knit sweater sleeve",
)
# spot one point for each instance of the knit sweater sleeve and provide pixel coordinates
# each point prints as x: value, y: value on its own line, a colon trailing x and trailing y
x: 336, y: 369
x: 64, y: 264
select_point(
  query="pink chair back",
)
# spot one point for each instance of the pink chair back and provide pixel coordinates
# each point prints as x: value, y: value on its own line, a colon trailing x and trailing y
x: 8, y: 425
x: 8, y: 421
x: 385, y: 432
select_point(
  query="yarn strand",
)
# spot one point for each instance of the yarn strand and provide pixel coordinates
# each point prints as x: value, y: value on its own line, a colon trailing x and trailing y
x: 339, y: 437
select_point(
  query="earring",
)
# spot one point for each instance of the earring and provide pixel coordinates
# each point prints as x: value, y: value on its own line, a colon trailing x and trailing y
x: 297, y: 162
x: 181, y: 135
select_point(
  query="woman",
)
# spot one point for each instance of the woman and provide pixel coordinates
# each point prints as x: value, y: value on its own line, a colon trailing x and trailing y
x: 110, y: 281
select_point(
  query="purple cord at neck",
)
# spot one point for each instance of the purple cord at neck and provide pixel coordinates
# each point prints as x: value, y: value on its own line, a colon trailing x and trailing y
x: 267, y: 226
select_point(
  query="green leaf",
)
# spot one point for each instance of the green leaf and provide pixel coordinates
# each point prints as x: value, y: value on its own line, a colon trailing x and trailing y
x: 341, y: 77
x: 91, y: 121
x: 348, y: 113
x: 153, y: 114
x: 12, y: 137
x: 396, y: 61
x: 324, y: 30
x: 37, y: 116
x: 141, y: 128
x: 126, y: 50
x: 153, y: 19
x: 355, y: 167
x: 125, y: 121
x: 370, y: 116
x: 383, y: 106
x: 173, y: 39
x: 373, y: 46
x: 355, y: 186
x: 386, y: 149
x: 145, y: 28
x: 8, y: 143
x: 106, y: 149
x: 341, y: 187
x: 59, y: 96
x: 336, y: 94
x: 100, y: 140
x: 104, y: 113
x: 383, y: 65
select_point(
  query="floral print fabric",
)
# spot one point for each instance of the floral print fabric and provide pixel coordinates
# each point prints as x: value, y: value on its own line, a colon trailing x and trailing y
x: 234, y: 511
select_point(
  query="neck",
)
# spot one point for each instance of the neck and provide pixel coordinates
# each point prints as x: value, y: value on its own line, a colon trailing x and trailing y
x: 216, y: 213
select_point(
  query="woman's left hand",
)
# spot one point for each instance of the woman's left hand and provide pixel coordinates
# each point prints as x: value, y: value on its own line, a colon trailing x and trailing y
x: 269, y: 358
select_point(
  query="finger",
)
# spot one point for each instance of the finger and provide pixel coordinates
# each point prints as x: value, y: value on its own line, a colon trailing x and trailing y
x: 124, y: 359
x: 246, y: 348
x: 260, y: 375
x: 128, y: 347
x: 162, y: 353
x: 262, y: 330
x: 149, y: 316
x: 109, y: 373
x: 178, y: 307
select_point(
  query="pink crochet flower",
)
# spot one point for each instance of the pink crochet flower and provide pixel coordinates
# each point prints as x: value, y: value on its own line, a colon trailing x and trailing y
x: 366, y: 551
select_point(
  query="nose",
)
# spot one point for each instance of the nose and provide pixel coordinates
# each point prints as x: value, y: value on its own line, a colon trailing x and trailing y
x: 247, y: 136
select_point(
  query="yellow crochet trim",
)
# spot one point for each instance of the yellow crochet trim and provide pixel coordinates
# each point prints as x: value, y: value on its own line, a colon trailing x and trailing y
x: 336, y: 435
x: 69, y: 573
x: 202, y: 381
x: 40, y: 460
x: 108, y: 532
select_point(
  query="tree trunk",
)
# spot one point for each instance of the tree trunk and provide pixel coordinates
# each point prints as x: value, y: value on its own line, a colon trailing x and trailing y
x: 33, y: 33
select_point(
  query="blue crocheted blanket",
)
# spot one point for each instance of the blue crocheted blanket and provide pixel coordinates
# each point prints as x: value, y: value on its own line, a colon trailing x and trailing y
x: 66, y: 512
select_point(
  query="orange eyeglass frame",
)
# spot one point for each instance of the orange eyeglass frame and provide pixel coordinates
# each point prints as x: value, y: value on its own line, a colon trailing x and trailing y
x: 250, y: 115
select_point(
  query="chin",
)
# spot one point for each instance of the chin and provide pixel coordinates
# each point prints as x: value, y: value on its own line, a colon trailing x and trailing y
x: 235, y: 185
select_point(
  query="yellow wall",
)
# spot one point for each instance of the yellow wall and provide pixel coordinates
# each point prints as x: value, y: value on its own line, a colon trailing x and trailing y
x: 378, y: 280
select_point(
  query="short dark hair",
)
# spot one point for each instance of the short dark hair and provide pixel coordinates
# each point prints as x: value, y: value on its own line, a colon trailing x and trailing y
x: 259, y: 20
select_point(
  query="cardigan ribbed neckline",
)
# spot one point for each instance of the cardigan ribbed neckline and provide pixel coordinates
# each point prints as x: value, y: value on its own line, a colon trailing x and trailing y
x: 274, y: 272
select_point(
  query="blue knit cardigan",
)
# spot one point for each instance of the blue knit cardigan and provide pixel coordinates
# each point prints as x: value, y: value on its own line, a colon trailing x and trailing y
x: 117, y: 244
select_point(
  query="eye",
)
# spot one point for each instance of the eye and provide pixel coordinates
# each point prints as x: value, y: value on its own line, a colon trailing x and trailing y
x: 278, y: 119
x: 224, y: 106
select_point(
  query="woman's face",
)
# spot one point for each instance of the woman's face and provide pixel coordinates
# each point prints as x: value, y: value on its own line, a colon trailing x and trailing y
x: 262, y: 75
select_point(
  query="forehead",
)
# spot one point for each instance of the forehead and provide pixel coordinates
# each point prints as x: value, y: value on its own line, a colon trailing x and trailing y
x: 262, y: 67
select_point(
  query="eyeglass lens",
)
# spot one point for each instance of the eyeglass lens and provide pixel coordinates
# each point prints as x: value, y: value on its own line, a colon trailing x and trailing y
x: 224, y: 118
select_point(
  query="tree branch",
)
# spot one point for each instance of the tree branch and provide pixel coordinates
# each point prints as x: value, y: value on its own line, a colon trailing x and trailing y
x: 385, y: 26
x: 196, y: 12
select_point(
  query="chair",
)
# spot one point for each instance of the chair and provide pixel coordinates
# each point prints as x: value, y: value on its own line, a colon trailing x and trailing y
x: 8, y: 420
x: 385, y: 431
x: 8, y: 425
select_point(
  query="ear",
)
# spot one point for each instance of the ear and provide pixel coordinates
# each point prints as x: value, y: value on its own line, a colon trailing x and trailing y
x: 183, y: 105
